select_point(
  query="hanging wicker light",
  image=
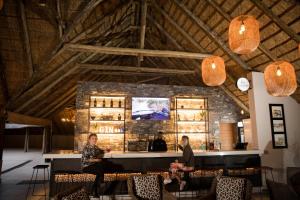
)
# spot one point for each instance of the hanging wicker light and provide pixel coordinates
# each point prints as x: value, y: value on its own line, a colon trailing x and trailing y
x: 243, y: 34
x: 280, y: 79
x: 213, y: 71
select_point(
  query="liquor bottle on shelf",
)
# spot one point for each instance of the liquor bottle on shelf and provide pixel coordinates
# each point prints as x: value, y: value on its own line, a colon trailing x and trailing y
x: 119, y: 116
x: 103, y: 103
x: 120, y: 103
x: 95, y: 102
x: 178, y: 117
x: 111, y: 103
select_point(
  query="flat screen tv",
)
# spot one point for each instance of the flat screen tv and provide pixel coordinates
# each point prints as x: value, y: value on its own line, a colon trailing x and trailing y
x: 148, y: 108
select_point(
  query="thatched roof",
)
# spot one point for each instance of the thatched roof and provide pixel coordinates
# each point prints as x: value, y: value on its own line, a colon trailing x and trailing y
x: 39, y: 71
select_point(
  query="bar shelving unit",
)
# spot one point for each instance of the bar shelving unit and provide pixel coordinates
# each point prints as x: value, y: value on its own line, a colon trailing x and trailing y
x: 192, y: 119
x: 107, y: 115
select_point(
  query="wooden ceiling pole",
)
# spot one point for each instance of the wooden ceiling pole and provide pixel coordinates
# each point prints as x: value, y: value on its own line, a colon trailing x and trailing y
x: 83, y: 14
x: 135, y: 52
x: 276, y: 20
x: 26, y: 38
x: 213, y: 35
x: 149, y: 79
x: 136, y: 69
x: 59, y: 19
x: 170, y: 62
x: 226, y: 16
x: 3, y: 82
x: 57, y: 76
x: 227, y: 91
x: 143, y: 28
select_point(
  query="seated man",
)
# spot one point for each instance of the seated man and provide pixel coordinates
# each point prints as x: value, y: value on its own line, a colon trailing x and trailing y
x: 186, y: 163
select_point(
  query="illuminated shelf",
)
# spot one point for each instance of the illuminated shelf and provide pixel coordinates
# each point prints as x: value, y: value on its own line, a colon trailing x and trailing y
x: 191, y: 109
x: 107, y: 121
x: 104, y: 120
x: 191, y: 121
x: 182, y: 133
x: 112, y: 108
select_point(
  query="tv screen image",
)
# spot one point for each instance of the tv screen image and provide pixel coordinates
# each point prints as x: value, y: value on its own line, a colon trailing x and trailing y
x: 148, y: 108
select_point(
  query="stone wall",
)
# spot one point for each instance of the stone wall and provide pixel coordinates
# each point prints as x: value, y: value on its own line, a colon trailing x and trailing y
x: 221, y: 109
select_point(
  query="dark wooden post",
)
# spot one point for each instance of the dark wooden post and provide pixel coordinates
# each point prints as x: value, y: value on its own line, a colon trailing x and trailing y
x: 3, y: 117
x: 26, y: 141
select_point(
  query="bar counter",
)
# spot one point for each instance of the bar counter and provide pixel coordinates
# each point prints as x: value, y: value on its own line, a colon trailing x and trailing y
x: 245, y: 163
x: 64, y: 154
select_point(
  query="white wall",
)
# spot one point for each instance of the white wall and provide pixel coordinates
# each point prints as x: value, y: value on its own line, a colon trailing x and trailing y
x: 259, y: 101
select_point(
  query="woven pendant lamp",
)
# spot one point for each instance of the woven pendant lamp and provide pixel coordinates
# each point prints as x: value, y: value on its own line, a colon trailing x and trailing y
x: 243, y: 34
x: 213, y: 71
x: 280, y: 79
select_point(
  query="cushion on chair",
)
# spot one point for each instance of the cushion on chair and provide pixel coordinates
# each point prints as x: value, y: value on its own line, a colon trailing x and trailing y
x: 230, y: 188
x: 78, y: 195
x: 147, y: 187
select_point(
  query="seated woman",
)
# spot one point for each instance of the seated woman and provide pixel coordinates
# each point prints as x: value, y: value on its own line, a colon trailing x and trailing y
x: 92, y: 162
x: 186, y: 164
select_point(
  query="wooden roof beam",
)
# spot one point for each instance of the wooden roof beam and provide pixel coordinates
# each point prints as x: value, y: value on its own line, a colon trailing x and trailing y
x: 135, y: 52
x: 25, y: 119
x: 136, y: 69
x: 277, y: 20
x: 83, y: 14
x: 212, y: 35
x: 27, y: 46
x: 237, y: 100
x: 143, y: 28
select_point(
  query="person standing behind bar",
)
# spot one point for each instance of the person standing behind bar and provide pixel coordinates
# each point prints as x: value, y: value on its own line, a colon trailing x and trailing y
x: 159, y: 144
x: 92, y: 161
x: 186, y: 163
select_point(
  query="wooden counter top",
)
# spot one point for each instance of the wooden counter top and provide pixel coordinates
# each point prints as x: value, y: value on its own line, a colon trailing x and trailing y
x: 71, y: 154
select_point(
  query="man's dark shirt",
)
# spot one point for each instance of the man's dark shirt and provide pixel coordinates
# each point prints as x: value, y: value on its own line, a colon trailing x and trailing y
x: 159, y: 145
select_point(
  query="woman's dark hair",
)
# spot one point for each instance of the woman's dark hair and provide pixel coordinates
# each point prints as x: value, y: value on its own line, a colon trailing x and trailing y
x: 185, y: 137
x: 92, y: 135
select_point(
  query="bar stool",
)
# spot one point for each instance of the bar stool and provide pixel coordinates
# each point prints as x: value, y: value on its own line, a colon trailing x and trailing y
x: 36, y: 169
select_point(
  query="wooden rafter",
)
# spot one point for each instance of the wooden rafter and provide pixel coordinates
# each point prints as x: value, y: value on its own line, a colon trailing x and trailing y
x: 26, y: 39
x: 143, y: 28
x: 59, y: 19
x: 25, y: 119
x: 80, y: 17
x: 134, y: 52
x: 150, y: 79
x: 57, y: 76
x: 136, y: 69
x: 213, y: 35
x: 189, y: 38
x: 277, y: 20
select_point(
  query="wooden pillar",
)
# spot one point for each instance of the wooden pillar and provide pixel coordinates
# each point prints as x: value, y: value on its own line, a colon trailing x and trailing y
x: 3, y: 117
x: 44, y: 140
x: 26, y: 142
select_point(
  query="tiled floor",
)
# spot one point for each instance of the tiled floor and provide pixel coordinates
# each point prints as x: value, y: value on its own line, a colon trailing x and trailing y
x: 9, y: 187
x: 11, y: 190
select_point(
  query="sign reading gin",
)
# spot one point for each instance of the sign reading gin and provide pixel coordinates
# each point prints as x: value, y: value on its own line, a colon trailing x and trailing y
x: 149, y: 108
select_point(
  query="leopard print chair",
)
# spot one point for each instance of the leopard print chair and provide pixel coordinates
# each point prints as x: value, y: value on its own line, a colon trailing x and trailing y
x: 148, y: 187
x: 229, y: 188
